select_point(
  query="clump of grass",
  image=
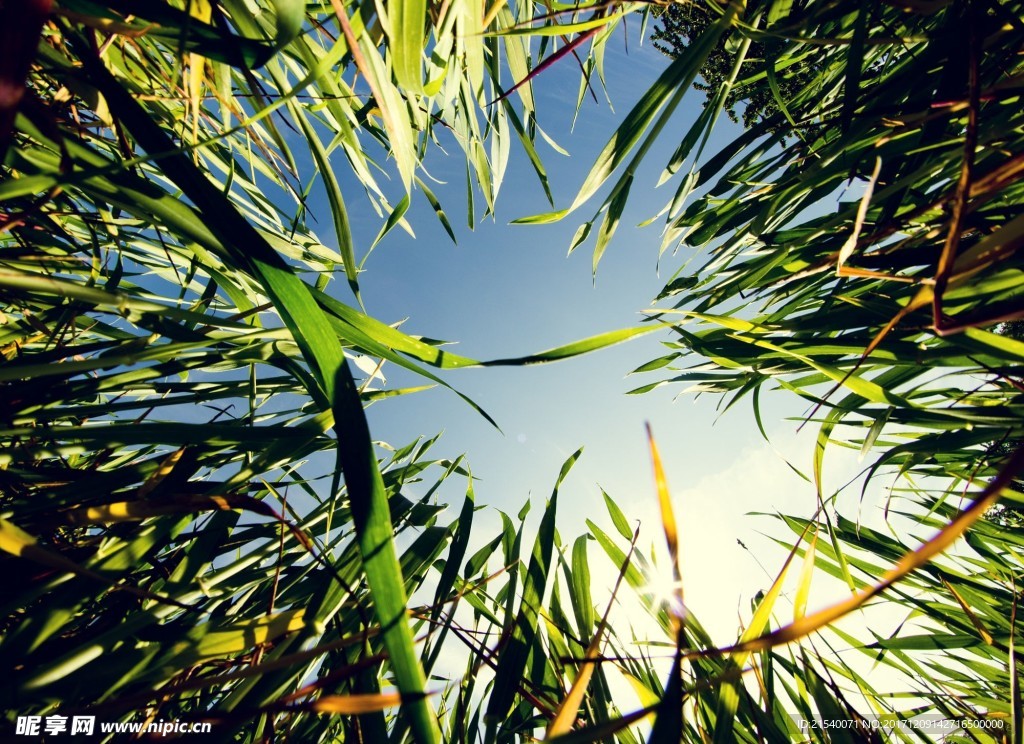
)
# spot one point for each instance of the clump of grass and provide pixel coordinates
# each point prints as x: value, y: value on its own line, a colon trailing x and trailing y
x: 176, y: 366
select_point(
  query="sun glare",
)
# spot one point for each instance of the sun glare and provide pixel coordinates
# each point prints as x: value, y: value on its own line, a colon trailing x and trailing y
x: 662, y: 590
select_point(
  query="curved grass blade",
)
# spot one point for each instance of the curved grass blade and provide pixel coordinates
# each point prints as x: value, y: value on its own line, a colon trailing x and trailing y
x: 584, y: 346
x: 368, y: 501
x: 677, y: 77
x: 910, y: 562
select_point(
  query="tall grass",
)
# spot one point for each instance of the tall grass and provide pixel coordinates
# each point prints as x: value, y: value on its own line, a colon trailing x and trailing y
x: 858, y: 247
x: 178, y: 366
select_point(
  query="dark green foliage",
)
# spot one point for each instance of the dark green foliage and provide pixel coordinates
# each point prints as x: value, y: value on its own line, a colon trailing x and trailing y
x: 1007, y: 517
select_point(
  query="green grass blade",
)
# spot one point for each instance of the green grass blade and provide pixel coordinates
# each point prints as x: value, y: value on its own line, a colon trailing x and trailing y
x: 371, y: 517
x: 408, y: 21
x: 677, y: 77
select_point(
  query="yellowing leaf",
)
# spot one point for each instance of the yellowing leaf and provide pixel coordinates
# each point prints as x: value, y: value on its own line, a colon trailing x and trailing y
x: 351, y: 705
x: 161, y: 472
x: 13, y: 539
x: 803, y: 590
x: 668, y: 522
x: 239, y: 637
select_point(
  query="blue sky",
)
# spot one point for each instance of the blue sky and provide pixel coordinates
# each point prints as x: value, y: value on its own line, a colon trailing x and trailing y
x: 507, y: 290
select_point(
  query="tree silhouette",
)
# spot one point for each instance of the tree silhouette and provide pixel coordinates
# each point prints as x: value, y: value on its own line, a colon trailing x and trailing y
x: 680, y: 23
